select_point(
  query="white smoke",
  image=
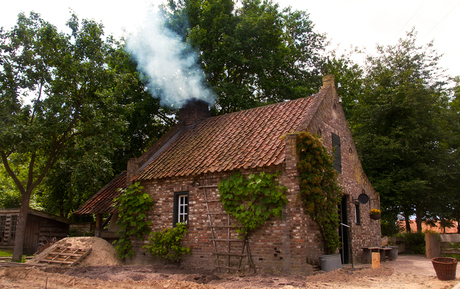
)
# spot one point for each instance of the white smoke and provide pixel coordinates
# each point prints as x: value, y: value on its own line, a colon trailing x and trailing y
x: 174, y: 75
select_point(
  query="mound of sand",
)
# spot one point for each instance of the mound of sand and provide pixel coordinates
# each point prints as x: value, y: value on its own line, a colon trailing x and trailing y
x: 103, y: 253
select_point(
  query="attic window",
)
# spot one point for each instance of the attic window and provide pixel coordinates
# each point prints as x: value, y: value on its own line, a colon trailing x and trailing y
x: 180, y: 208
x: 337, y: 153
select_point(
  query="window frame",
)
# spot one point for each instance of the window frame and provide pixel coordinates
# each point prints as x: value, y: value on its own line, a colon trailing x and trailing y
x: 181, y: 199
x: 357, y: 214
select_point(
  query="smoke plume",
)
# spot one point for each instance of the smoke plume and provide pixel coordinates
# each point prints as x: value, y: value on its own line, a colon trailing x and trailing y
x: 170, y: 65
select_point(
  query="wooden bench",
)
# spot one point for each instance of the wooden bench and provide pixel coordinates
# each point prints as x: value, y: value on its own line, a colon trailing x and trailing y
x: 367, y: 254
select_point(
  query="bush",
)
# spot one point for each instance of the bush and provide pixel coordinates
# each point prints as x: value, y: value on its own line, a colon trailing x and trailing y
x: 415, y: 242
x: 166, y: 244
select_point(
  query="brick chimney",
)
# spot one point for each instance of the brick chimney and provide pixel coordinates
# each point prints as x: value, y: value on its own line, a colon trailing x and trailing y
x: 328, y: 80
x: 194, y: 111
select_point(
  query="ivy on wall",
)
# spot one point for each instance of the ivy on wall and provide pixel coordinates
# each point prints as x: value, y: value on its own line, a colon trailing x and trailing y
x: 252, y: 200
x: 132, y: 204
x: 320, y: 191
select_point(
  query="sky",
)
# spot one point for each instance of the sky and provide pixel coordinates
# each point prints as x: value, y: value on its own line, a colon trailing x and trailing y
x: 361, y: 23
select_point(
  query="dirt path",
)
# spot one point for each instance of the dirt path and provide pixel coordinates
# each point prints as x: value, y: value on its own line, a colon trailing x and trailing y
x: 176, y: 277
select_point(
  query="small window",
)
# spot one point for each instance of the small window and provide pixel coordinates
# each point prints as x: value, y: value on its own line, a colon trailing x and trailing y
x: 180, y: 208
x: 337, y: 153
x: 14, y: 222
x: 357, y: 214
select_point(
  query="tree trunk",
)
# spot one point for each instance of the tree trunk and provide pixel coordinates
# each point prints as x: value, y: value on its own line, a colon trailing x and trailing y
x: 418, y: 220
x: 407, y: 220
x: 21, y: 227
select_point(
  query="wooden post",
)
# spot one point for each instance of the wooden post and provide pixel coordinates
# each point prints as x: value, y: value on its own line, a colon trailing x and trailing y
x: 375, y: 260
x: 97, y: 231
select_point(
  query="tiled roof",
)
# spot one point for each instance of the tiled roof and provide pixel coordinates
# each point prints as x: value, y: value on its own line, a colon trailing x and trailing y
x: 102, y: 201
x: 240, y: 140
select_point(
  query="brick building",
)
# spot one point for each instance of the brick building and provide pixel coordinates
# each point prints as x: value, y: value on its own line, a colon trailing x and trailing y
x: 182, y: 170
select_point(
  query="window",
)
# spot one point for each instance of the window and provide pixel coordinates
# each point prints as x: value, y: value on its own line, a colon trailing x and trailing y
x: 337, y: 154
x: 357, y: 214
x: 14, y: 222
x: 180, y: 207
x: 2, y: 228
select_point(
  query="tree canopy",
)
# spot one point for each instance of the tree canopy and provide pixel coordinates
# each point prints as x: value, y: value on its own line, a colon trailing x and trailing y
x: 252, y: 54
x: 400, y: 125
x: 55, y: 94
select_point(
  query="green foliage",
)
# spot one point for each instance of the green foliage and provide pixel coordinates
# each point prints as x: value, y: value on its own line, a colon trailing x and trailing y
x: 403, y: 130
x: 415, y: 241
x: 167, y: 243
x: 252, y: 52
x: 67, y: 83
x: 6, y: 253
x: 252, y: 200
x: 320, y: 192
x: 132, y: 205
x: 456, y: 256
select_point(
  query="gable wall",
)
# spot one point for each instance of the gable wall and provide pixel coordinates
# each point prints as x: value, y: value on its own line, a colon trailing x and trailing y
x: 330, y: 119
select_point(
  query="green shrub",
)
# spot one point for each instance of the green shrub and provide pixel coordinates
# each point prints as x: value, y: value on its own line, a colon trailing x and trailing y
x: 167, y: 243
x: 415, y: 241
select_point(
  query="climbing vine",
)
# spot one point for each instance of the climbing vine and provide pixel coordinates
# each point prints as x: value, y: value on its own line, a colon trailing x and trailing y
x: 320, y: 191
x: 167, y: 243
x: 252, y: 200
x: 132, y: 204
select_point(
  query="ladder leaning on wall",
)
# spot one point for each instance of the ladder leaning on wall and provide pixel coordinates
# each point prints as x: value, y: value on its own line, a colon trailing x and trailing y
x: 221, y: 234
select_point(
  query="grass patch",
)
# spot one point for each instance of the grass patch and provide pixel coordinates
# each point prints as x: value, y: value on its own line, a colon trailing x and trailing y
x: 456, y: 256
x: 6, y: 253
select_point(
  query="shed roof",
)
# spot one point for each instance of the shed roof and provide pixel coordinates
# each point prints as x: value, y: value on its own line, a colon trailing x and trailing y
x: 246, y: 139
x: 102, y: 201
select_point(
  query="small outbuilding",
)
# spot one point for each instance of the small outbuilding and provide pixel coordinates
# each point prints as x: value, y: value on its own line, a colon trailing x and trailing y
x: 41, y: 228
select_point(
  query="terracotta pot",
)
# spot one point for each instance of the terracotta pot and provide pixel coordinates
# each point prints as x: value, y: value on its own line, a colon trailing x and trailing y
x: 375, y: 216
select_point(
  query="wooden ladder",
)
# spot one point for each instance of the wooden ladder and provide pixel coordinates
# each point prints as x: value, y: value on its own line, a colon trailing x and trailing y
x: 218, y: 232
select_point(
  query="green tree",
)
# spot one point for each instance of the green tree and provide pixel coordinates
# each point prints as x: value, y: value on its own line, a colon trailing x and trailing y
x: 88, y: 164
x: 399, y: 131
x: 254, y: 53
x: 67, y: 78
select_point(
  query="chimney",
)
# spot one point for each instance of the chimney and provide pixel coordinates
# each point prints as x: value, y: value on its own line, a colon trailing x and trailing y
x: 194, y: 111
x: 328, y: 80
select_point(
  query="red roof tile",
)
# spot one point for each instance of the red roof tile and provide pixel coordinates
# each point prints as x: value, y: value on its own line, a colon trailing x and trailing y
x: 244, y: 139
x: 102, y: 201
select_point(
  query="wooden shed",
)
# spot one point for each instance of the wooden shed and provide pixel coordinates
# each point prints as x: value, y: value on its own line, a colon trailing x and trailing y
x: 41, y: 228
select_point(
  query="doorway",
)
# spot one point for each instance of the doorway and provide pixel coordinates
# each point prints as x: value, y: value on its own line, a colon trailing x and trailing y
x: 344, y: 231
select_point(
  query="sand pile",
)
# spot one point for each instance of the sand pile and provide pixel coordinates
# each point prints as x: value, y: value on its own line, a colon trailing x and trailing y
x: 102, y: 254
